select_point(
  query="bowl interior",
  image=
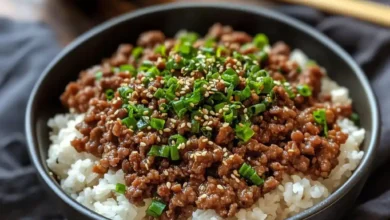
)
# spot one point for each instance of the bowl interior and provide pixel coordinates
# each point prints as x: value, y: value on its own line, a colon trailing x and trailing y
x: 102, y: 41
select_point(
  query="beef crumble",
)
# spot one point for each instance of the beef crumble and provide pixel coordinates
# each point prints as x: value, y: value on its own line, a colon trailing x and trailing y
x: 228, y: 67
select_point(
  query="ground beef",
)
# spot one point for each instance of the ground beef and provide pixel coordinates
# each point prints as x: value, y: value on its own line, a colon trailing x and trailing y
x: 286, y: 138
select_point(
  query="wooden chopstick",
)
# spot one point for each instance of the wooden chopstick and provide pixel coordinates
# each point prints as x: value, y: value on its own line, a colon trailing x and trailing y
x: 361, y: 9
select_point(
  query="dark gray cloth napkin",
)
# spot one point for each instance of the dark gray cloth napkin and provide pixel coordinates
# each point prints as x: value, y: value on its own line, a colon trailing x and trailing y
x: 26, y: 48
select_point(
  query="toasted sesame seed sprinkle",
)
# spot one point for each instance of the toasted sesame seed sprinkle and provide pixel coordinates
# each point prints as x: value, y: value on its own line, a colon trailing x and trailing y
x: 209, y: 128
x: 220, y: 187
x: 168, y: 185
x: 165, y: 172
x: 205, y: 140
x: 142, y: 144
x: 167, y: 130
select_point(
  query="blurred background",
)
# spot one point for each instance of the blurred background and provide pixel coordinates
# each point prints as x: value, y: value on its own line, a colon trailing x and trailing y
x: 32, y: 32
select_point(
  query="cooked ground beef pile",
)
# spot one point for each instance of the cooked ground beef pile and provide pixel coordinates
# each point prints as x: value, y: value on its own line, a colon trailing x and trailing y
x: 205, y: 123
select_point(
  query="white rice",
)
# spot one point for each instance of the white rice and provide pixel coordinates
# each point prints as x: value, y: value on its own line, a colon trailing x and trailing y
x: 294, y: 194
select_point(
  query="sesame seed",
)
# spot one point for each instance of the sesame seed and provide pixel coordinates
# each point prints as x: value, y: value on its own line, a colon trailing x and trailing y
x: 182, y: 92
x: 224, y: 162
x: 185, y: 184
x: 219, y: 187
x: 192, y: 104
x: 235, y: 172
x: 188, y: 124
x: 225, y: 124
x: 196, y: 117
x: 142, y: 144
x: 173, y: 120
x: 158, y: 139
x: 209, y: 128
x: 205, y: 111
x: 182, y: 125
x: 203, y: 196
x: 168, y: 185
x: 165, y: 172
x: 210, y: 123
x: 212, y: 112
x: 167, y: 130
x: 177, y: 93
x: 204, y: 140
x: 204, y: 153
x: 206, y: 94
x: 149, y: 127
x: 146, y: 166
x: 245, y: 110
x: 161, y: 132
x: 210, y: 142
x: 206, y: 117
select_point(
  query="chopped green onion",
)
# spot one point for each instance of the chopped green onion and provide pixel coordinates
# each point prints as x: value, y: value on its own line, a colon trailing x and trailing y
x: 189, y: 37
x: 230, y: 76
x: 207, y: 133
x: 109, y: 94
x: 160, y: 93
x: 98, y: 75
x: 244, y: 132
x: 209, y: 42
x: 245, y: 93
x: 289, y: 91
x: 160, y: 49
x: 178, y: 106
x: 228, y: 116
x: 185, y: 48
x: 124, y: 92
x: 219, y: 51
x: 195, y: 126
x: 268, y: 84
x: 128, y: 68
x: 256, y: 179
x: 143, y: 122
x: 157, y: 123
x: 177, y: 138
x: 250, y: 174
x: 355, y: 118
x: 159, y: 151
x: 155, y: 209
x: 120, y: 188
x: 304, y: 90
x: 219, y: 106
x: 174, y: 153
x: 320, y: 118
x: 208, y: 50
x: 170, y: 93
x: 256, y: 109
x: 164, y: 107
x: 244, y: 167
x: 137, y: 52
x: 130, y: 122
x: 152, y: 72
x: 260, y: 40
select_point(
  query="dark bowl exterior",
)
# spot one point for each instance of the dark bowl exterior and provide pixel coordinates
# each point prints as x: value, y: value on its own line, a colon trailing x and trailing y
x: 103, y: 40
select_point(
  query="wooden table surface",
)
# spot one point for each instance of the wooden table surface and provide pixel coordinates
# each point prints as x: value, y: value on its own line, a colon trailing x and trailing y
x: 70, y: 18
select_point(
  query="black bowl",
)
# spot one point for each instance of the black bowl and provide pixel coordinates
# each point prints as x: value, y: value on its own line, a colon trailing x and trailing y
x: 103, y: 40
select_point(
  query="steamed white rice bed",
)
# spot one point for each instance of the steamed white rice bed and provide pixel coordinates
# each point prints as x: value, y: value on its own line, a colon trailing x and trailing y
x: 294, y: 194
